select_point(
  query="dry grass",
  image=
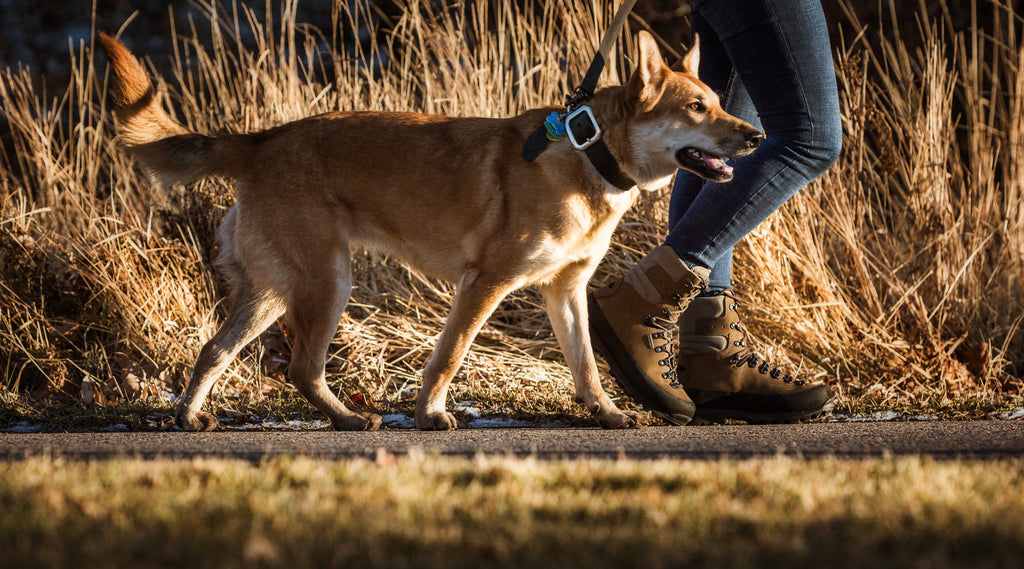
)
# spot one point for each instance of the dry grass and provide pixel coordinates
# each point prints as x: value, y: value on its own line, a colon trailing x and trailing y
x: 897, y: 277
x: 506, y: 512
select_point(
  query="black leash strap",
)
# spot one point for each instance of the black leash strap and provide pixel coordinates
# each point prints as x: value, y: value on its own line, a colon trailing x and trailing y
x: 538, y: 141
x: 589, y: 83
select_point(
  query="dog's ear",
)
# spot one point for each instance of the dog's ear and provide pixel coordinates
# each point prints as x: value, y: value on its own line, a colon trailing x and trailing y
x: 691, y: 61
x: 648, y: 81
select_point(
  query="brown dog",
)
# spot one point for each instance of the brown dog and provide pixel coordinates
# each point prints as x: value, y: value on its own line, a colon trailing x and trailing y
x: 451, y: 197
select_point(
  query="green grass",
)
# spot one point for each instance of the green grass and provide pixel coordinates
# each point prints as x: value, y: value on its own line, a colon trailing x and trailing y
x: 504, y: 512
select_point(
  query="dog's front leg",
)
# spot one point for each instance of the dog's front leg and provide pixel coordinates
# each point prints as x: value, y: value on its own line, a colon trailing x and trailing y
x: 566, y: 302
x: 475, y: 300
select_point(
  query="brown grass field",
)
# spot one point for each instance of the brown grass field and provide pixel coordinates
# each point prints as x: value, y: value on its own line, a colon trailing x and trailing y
x: 505, y: 512
x: 898, y: 277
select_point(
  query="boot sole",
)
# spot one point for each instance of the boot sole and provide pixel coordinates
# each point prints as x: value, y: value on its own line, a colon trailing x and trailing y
x: 599, y: 326
x: 708, y: 416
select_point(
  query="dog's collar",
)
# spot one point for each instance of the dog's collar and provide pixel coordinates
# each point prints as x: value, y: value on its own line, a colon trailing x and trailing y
x: 590, y: 143
x: 608, y: 166
x: 596, y: 150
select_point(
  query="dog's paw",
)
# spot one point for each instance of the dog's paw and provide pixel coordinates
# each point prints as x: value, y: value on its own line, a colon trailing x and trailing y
x: 199, y: 421
x: 357, y: 422
x: 620, y: 420
x: 441, y: 421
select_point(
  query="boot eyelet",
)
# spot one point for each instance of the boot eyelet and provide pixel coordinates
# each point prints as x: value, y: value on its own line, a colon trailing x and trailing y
x: 776, y: 374
x: 799, y: 382
x: 732, y: 307
x: 738, y: 343
x: 668, y: 375
x: 734, y: 360
x: 788, y: 379
x: 735, y: 325
x: 664, y: 363
x: 764, y: 368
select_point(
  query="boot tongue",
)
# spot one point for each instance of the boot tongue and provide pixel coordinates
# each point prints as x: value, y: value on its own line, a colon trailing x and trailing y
x: 693, y: 345
x: 661, y: 273
x: 698, y: 333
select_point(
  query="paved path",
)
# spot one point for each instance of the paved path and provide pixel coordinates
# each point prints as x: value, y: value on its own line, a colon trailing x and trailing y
x: 979, y: 439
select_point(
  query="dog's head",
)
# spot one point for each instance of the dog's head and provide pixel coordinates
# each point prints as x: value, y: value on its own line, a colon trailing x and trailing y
x: 678, y: 121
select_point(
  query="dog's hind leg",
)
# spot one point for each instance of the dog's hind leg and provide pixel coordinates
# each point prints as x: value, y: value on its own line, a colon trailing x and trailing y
x: 475, y: 300
x: 565, y: 298
x: 313, y: 312
x: 250, y: 315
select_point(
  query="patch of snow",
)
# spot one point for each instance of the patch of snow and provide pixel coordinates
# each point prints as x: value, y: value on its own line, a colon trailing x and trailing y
x: 471, y: 408
x: 295, y: 425
x: 276, y: 425
x: 881, y: 416
x: 118, y: 428
x: 498, y: 423
x: 245, y: 427
x: 398, y: 421
x: 24, y: 427
x: 1013, y: 415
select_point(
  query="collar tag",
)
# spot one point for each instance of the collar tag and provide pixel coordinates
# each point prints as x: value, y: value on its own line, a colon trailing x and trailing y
x: 582, y: 128
x: 555, y: 127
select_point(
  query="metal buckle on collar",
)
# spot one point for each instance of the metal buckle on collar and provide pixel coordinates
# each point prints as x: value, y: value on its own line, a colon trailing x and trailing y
x: 582, y: 128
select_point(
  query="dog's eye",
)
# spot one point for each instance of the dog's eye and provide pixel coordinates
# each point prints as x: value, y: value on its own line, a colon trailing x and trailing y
x: 697, y: 107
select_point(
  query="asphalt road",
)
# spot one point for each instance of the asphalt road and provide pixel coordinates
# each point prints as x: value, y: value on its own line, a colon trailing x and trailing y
x: 976, y: 439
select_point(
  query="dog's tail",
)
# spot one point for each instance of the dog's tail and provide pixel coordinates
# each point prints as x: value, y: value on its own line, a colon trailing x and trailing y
x: 167, y: 150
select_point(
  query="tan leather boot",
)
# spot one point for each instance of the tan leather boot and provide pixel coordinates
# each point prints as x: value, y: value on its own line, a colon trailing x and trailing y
x: 727, y: 379
x: 632, y: 322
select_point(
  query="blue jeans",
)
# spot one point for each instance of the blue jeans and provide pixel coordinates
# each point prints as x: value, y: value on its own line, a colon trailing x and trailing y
x: 771, y: 62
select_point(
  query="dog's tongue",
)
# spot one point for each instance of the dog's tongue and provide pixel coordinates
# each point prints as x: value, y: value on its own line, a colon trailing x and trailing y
x: 715, y: 163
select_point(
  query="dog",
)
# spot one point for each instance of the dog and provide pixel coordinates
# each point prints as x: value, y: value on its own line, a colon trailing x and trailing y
x: 449, y: 197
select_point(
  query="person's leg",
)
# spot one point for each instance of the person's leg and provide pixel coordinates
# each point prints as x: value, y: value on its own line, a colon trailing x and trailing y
x: 780, y: 52
x: 721, y: 373
x: 717, y: 72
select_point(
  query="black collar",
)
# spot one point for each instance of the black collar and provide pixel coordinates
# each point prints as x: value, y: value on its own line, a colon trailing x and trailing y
x: 597, y: 153
x: 607, y: 166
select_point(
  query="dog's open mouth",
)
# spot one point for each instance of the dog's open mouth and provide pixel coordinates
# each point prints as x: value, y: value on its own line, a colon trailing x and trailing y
x: 704, y: 164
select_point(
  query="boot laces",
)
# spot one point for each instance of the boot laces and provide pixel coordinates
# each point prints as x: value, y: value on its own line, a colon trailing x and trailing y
x: 751, y: 358
x: 666, y: 322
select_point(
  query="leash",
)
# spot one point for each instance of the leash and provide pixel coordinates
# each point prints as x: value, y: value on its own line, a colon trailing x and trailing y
x: 589, y: 83
x: 578, y: 121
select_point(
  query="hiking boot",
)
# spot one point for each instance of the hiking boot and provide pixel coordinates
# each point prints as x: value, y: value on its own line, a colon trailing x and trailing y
x: 632, y: 322
x: 727, y: 379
